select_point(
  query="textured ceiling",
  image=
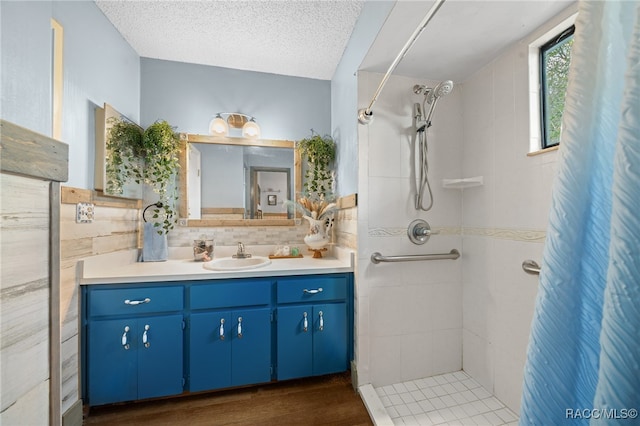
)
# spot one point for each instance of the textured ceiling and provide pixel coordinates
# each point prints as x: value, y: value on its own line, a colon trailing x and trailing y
x: 306, y: 38
x: 462, y: 37
x: 302, y: 38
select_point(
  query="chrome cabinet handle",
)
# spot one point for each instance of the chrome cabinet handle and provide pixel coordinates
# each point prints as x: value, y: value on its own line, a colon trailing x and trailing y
x: 315, y: 291
x: 125, y: 342
x: 305, y: 323
x: 137, y: 302
x: 222, y: 329
x: 321, y: 321
x: 239, y: 327
x: 145, y: 338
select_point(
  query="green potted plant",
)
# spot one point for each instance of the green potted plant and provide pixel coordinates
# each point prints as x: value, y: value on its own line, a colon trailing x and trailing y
x: 150, y: 157
x: 320, y: 152
x: 161, y: 148
x: 317, y: 202
x: 123, y: 154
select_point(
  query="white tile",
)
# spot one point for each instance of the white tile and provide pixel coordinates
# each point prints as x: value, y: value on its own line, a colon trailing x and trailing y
x: 449, y: 388
x: 418, y: 395
x: 460, y: 375
x: 389, y: 390
x: 407, y: 397
x: 398, y: 421
x: 481, y: 393
x: 447, y: 354
x: 437, y: 403
x: 492, y: 418
x: 459, y: 412
x: 409, y: 420
x: 386, y: 401
x: 380, y: 392
x: 471, y: 384
x: 439, y: 390
x: 493, y: 403
x: 395, y: 399
x: 506, y: 415
x: 393, y: 413
x: 459, y: 398
x: 468, y: 395
x: 403, y: 410
x: 429, y: 393
x: 415, y: 408
x: 480, y: 406
x: 459, y: 387
x: 430, y: 381
x: 416, y: 357
x: 470, y: 409
x: 447, y: 414
x: 426, y: 405
x: 448, y: 400
x: 440, y: 379
x: 436, y: 417
x: 423, y: 419
x: 410, y: 386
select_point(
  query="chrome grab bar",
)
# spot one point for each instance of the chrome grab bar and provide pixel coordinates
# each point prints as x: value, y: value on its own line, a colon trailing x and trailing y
x: 531, y: 267
x: 377, y: 257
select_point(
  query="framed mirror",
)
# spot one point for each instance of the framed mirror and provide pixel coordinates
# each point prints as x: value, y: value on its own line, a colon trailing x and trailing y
x: 105, y: 177
x: 229, y: 181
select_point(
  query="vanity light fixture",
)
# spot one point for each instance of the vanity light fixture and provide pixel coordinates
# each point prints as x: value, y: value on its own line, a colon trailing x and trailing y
x: 220, y: 127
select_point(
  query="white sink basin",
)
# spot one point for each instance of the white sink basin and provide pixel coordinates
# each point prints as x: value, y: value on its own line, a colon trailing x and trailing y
x: 233, y: 264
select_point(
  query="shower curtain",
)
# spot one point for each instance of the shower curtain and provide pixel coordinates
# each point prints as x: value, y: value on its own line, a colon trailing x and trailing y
x: 583, y: 360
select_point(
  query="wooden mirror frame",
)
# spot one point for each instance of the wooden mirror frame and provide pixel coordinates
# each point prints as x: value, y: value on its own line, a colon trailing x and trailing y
x: 186, y: 138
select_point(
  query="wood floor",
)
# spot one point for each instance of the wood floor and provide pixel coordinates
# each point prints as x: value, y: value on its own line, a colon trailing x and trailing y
x: 327, y: 400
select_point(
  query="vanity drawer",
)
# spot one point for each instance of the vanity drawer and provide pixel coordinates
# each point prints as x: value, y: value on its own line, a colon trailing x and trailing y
x: 313, y: 289
x: 230, y: 294
x: 137, y: 300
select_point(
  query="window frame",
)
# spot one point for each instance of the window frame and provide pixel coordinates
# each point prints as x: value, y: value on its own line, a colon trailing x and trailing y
x: 558, y: 39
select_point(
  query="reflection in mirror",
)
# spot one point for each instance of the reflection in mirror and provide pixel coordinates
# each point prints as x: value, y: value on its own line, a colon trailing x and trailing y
x: 107, y: 163
x: 238, y: 181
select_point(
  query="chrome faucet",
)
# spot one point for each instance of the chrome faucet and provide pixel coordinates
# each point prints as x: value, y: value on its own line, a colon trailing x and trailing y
x: 241, y: 254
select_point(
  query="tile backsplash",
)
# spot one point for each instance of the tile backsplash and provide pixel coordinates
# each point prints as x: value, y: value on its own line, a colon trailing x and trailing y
x: 250, y: 235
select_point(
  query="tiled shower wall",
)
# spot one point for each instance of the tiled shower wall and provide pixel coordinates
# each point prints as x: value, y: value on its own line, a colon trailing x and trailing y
x: 504, y: 223
x: 408, y: 315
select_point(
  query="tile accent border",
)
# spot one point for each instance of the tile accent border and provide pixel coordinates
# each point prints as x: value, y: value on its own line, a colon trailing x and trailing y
x: 525, y: 235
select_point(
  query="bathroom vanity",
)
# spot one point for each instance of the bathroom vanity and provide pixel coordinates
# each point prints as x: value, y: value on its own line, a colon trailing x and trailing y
x: 148, y: 332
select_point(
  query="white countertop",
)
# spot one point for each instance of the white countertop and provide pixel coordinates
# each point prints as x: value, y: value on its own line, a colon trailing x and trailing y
x: 123, y: 267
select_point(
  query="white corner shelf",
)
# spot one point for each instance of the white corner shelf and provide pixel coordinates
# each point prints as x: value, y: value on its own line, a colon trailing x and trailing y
x: 462, y: 183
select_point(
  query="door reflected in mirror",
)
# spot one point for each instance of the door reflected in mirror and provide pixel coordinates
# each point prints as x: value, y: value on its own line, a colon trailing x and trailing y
x: 238, y: 181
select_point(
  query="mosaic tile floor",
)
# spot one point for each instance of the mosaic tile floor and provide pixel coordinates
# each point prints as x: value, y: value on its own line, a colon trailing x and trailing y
x: 447, y: 399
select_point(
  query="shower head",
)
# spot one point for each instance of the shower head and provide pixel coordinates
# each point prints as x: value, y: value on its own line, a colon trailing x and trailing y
x: 443, y: 88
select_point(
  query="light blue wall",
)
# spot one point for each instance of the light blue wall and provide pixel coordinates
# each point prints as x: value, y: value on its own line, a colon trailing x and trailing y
x: 344, y: 94
x: 189, y: 95
x: 26, y: 64
x: 99, y: 66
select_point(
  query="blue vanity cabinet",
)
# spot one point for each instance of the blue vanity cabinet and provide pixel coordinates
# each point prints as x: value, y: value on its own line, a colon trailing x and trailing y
x: 313, y: 326
x: 133, y: 343
x: 230, y: 334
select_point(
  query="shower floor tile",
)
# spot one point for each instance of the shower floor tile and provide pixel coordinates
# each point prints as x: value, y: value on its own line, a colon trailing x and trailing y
x: 447, y: 399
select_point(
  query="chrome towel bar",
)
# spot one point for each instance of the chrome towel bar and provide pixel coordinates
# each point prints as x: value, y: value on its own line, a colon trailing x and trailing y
x: 377, y: 257
x: 531, y: 267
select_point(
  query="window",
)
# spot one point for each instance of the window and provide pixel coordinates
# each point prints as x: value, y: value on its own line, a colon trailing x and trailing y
x: 555, y: 57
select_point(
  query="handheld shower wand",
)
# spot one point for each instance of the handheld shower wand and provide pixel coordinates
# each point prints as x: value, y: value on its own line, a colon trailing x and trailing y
x: 422, y: 123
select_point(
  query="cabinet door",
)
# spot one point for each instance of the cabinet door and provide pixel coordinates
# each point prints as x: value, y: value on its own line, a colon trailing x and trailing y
x: 294, y: 342
x: 330, y: 338
x: 210, y: 351
x: 251, y: 348
x: 112, y: 361
x: 160, y: 348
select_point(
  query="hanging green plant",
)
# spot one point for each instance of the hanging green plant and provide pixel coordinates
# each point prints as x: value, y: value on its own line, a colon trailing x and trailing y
x: 161, y: 149
x: 123, y: 154
x: 320, y: 152
x: 150, y: 157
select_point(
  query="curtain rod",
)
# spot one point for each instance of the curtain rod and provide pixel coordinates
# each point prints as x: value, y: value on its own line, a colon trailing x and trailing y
x: 365, y: 115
